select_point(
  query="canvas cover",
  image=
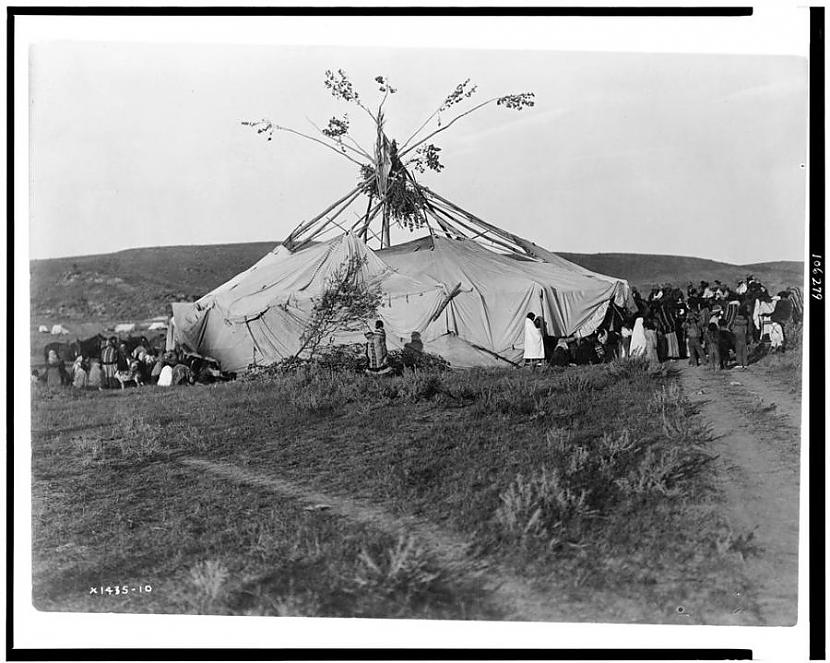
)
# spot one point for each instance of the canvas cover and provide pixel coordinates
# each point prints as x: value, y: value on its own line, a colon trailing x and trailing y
x: 468, y: 303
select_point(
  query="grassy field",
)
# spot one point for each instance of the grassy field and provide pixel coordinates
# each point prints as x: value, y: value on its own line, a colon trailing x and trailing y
x: 590, y: 487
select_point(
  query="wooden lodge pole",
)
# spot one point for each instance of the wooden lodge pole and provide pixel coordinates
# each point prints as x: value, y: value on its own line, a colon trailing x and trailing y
x: 307, y: 224
x: 386, y: 242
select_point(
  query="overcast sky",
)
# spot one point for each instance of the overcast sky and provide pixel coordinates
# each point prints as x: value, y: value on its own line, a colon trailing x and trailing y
x: 141, y: 145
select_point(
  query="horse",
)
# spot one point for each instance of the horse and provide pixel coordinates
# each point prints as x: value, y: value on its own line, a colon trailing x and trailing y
x: 89, y: 348
x: 154, y: 344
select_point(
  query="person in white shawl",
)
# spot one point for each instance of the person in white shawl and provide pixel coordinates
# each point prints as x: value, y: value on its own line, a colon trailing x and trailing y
x: 638, y: 340
x: 534, y: 348
x: 79, y: 374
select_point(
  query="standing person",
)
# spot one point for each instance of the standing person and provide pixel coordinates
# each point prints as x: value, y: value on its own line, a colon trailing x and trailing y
x: 625, y: 341
x: 726, y: 343
x: 651, y: 343
x: 534, y: 347
x: 109, y: 363
x: 638, y: 339
x: 54, y: 369
x: 376, y: 350
x: 122, y: 361
x: 693, y: 333
x: 95, y: 376
x: 713, y: 346
x: 547, y: 341
x: 741, y: 330
x: 679, y: 333
x: 672, y: 347
x: 79, y: 374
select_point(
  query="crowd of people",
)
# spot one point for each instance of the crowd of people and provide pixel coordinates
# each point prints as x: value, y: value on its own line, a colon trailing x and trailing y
x: 710, y: 324
x: 113, y: 363
x: 707, y: 324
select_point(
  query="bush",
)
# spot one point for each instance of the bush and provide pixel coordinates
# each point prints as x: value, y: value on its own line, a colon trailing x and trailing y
x: 593, y: 476
x: 344, y: 358
x: 403, y: 572
x: 422, y: 361
x: 543, y: 507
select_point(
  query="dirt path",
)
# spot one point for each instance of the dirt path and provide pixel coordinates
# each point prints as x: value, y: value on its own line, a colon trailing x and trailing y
x: 766, y: 389
x: 519, y: 600
x: 756, y: 427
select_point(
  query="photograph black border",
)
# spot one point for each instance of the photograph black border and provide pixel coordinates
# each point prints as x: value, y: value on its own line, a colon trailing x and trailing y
x: 816, y: 213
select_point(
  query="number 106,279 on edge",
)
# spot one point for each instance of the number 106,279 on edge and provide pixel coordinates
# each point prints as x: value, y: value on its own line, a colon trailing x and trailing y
x: 816, y: 276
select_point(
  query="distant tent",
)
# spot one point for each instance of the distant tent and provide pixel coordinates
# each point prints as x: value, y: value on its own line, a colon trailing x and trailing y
x: 125, y: 328
x: 157, y: 325
x: 43, y: 329
x: 58, y: 330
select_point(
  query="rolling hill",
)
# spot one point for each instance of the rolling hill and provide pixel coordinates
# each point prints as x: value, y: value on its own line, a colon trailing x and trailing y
x: 140, y: 283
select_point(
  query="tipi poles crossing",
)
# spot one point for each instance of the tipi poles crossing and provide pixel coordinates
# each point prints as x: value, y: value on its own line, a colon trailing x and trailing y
x: 327, y: 222
x: 367, y: 220
x: 324, y: 222
x: 449, y: 230
x: 304, y: 226
x: 365, y: 216
x: 473, y: 218
x: 509, y: 240
x: 449, y: 217
x: 480, y: 233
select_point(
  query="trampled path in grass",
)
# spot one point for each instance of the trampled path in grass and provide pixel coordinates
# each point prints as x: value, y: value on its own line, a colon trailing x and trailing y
x: 756, y: 382
x: 515, y: 596
x: 756, y: 434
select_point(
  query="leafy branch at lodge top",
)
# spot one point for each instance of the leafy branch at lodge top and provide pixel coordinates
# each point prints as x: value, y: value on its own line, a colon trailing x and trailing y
x: 384, y: 170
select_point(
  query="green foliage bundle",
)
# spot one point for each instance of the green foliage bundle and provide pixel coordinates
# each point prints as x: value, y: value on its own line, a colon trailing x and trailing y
x: 345, y: 305
x: 404, y: 201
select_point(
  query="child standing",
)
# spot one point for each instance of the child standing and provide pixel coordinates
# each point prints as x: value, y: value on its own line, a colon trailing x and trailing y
x: 741, y: 330
x: 713, y: 346
x: 692, y: 329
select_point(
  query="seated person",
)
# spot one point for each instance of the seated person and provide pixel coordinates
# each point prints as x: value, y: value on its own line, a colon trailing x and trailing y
x: 413, y: 350
x: 561, y: 354
x: 585, y: 351
x: 726, y: 342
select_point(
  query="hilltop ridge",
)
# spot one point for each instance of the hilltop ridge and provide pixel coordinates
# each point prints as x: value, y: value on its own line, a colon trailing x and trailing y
x: 140, y: 283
